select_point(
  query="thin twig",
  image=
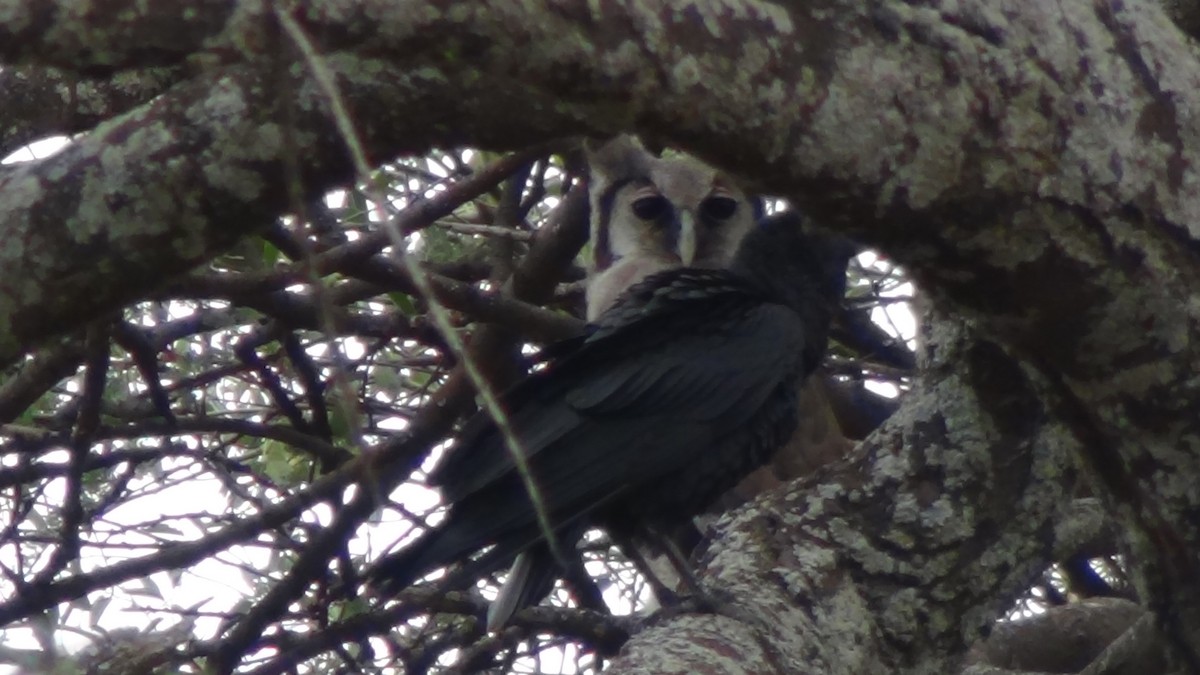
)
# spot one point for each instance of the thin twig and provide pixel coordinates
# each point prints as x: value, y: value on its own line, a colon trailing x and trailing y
x: 440, y: 315
x: 486, y: 230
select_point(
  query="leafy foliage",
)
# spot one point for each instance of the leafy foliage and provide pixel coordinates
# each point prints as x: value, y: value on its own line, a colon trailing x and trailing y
x: 172, y: 468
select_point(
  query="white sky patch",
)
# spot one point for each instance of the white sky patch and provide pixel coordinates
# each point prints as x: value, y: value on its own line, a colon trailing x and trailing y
x: 37, y: 150
x: 197, y: 503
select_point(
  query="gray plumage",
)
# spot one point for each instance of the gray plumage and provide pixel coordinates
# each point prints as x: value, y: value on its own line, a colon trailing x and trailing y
x: 686, y: 385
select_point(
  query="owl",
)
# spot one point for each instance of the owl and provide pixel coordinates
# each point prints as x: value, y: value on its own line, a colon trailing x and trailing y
x: 651, y: 214
x: 648, y: 215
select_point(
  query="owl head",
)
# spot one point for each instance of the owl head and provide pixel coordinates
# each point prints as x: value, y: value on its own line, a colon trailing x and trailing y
x: 651, y: 214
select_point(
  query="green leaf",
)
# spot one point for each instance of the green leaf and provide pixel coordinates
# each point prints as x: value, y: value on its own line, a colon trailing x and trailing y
x: 270, y: 253
x: 283, y: 464
x: 404, y: 303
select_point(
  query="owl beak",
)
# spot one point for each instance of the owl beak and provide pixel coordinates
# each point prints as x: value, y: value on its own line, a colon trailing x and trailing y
x: 687, y: 238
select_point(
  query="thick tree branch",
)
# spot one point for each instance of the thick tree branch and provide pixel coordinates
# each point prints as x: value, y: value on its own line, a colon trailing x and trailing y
x: 1031, y: 163
x: 938, y: 518
x: 1066, y: 639
x: 75, y: 104
x: 156, y: 33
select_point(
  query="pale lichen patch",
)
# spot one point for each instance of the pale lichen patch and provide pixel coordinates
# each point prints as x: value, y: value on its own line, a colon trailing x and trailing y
x: 225, y: 104
x: 21, y: 290
x: 688, y: 72
x: 891, y: 466
x: 903, y: 614
x: 813, y: 560
x: 16, y: 15
x: 22, y: 190
x: 849, y: 93
x: 244, y: 183
x: 943, y: 517
x: 871, y: 559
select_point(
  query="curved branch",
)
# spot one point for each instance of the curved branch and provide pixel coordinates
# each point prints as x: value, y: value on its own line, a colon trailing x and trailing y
x: 942, y: 514
x: 42, y: 102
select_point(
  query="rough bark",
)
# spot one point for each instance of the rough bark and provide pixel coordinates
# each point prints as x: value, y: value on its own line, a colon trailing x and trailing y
x: 1065, y: 639
x: 949, y: 504
x: 1031, y: 162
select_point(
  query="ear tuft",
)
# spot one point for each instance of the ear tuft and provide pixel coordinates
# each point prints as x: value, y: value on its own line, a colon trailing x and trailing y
x: 619, y: 158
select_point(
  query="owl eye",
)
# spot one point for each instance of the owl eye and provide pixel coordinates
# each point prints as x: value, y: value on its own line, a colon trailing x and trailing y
x: 719, y: 207
x: 650, y: 207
